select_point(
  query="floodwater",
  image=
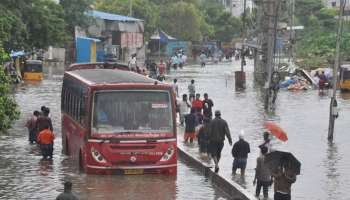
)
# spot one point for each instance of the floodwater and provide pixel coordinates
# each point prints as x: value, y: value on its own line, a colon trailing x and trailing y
x: 24, y: 176
x: 325, y: 169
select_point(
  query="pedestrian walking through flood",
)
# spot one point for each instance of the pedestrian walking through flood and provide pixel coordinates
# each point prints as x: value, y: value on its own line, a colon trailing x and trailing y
x: 45, y: 139
x: 240, y: 151
x: 217, y: 132
x: 263, y: 178
x: 190, y: 126
x: 31, y: 126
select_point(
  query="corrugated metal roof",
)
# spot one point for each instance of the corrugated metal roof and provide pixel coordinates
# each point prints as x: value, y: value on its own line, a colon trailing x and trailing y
x: 100, y: 76
x: 110, y: 16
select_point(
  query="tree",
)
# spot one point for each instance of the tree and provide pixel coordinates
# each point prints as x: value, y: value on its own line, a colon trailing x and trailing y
x: 225, y: 27
x: 8, y: 107
x: 182, y: 20
x: 13, y: 31
x: 45, y: 24
x: 307, y: 8
x: 31, y: 24
x: 74, y: 11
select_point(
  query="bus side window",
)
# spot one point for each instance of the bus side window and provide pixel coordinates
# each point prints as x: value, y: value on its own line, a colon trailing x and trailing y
x: 69, y: 107
x: 82, y: 110
x: 73, y: 106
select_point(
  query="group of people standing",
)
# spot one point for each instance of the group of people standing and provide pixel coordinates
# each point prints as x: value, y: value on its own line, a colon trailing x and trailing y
x: 197, y: 117
x: 211, y: 132
x: 41, y: 131
x: 178, y: 59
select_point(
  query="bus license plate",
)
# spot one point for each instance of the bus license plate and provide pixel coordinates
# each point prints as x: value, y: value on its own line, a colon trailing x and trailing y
x: 133, y: 171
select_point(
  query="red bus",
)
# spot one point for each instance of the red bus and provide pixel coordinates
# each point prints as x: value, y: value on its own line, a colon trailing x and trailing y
x: 118, y: 122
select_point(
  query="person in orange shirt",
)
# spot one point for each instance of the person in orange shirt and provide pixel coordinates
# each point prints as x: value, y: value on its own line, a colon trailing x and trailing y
x: 45, y: 139
x: 197, y: 105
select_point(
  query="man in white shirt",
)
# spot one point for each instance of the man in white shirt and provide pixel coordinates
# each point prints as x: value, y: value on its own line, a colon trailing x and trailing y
x: 132, y: 62
x: 184, y: 106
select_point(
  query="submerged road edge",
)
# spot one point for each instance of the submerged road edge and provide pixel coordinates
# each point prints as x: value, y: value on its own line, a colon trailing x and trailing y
x: 235, y: 191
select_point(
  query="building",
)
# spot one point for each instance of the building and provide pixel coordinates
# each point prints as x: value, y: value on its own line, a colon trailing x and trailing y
x: 236, y: 7
x: 119, y: 36
x: 336, y: 4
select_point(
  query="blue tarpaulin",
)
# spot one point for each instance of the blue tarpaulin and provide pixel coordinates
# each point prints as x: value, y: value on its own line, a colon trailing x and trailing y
x: 17, y: 54
x: 162, y: 37
x: 110, y: 16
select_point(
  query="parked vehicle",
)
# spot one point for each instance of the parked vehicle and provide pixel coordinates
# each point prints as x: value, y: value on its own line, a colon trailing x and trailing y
x: 345, y: 77
x: 33, y: 70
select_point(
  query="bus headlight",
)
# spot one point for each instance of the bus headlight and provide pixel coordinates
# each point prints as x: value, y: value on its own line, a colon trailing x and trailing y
x: 168, y: 154
x: 97, y: 156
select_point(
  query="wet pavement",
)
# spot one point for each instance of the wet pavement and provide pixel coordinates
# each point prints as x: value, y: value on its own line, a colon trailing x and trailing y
x: 325, y: 173
x: 24, y: 176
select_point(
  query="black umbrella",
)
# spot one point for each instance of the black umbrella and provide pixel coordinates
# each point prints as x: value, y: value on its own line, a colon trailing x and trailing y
x: 278, y: 158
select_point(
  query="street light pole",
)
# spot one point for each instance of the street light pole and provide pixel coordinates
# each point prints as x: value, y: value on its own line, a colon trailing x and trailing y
x: 333, y: 111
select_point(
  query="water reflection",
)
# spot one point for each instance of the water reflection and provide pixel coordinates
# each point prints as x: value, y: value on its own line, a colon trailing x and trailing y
x: 345, y: 95
x: 332, y: 174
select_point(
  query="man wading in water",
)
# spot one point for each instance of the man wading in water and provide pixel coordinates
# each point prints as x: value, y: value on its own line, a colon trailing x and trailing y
x: 217, y: 132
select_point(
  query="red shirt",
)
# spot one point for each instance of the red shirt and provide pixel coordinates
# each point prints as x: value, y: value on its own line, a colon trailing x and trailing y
x: 46, y: 137
x: 197, y: 104
x: 162, y: 68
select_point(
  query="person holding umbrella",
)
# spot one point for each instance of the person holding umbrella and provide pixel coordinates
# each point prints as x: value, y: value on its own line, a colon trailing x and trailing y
x: 284, y: 168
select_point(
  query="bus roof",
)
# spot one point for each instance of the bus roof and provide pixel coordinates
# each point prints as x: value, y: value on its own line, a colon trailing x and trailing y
x: 98, y: 76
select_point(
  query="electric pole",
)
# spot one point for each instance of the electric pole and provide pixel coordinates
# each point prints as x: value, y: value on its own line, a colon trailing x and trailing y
x: 333, y: 111
x: 240, y: 75
x: 130, y: 8
x: 271, y: 12
x: 243, y: 34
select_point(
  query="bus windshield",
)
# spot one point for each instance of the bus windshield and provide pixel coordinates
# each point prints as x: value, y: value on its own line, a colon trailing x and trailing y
x: 117, y: 112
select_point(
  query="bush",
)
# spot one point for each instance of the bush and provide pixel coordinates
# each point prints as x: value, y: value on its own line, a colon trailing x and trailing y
x: 8, y: 106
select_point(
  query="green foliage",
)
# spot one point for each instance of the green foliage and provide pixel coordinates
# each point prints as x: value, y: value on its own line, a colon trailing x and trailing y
x: 8, y: 107
x: 45, y: 24
x: 74, y: 11
x: 31, y: 24
x: 182, y: 20
x: 317, y: 46
x: 193, y: 20
x: 13, y: 31
x: 306, y: 8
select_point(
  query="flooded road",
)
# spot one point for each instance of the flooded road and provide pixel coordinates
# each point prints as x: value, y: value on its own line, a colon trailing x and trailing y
x: 24, y: 176
x: 325, y: 173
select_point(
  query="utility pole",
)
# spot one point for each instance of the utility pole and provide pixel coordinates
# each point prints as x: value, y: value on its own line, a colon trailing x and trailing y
x: 130, y: 8
x: 240, y: 75
x: 243, y: 34
x: 333, y: 111
x: 291, y: 31
x: 272, y: 7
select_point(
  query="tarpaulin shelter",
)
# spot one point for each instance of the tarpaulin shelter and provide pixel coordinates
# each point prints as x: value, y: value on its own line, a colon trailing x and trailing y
x: 161, y: 37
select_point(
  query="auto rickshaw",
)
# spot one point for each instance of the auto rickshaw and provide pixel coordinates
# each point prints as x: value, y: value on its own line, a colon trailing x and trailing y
x: 345, y: 77
x: 33, y: 70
